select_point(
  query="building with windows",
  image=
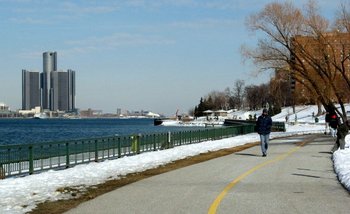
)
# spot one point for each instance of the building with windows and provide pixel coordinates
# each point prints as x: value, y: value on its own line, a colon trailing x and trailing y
x: 4, y: 107
x: 5, y: 112
x: 51, y: 90
x: 31, y: 91
x: 325, y: 61
x: 71, y: 89
x: 62, y: 91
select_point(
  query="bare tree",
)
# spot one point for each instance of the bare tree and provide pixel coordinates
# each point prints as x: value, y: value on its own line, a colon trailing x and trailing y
x: 303, y: 41
x: 218, y: 99
x: 279, y: 89
x: 238, y: 93
x: 253, y: 98
x: 256, y: 96
x: 228, y: 98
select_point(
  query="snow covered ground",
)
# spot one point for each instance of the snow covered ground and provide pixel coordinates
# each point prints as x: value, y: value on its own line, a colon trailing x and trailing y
x: 20, y: 195
x: 303, y: 114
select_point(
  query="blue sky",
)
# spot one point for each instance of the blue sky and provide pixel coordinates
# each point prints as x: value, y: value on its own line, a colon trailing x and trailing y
x: 157, y: 55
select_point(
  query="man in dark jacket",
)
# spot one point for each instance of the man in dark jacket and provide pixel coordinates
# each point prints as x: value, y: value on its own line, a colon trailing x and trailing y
x: 342, y: 131
x: 263, y: 127
x: 333, y: 123
x: 327, y: 119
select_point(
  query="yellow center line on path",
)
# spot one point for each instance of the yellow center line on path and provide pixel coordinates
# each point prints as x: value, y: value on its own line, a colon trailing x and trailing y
x: 217, y: 201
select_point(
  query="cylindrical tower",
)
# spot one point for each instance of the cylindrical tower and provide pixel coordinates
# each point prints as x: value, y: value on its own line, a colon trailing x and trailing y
x: 49, y: 65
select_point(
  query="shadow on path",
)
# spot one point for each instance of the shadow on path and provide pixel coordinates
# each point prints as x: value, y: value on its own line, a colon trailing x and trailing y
x: 247, y: 154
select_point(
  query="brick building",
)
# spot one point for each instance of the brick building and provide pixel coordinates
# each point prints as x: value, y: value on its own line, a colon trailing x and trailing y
x: 325, y: 61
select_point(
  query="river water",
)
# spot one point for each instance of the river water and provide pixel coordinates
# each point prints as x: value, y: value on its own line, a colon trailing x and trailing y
x: 20, y: 131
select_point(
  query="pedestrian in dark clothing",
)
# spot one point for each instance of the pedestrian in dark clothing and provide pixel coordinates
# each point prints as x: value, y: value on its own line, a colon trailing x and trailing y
x: 327, y: 119
x: 263, y: 127
x: 343, y: 130
x: 333, y: 123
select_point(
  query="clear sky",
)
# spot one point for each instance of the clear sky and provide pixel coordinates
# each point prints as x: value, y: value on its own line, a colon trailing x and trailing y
x: 156, y: 55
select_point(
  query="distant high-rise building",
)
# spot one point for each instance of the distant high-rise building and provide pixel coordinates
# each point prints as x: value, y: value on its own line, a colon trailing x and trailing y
x: 30, y: 90
x: 52, y: 89
x: 71, y: 89
x: 119, y: 111
x: 62, y: 90
x: 49, y: 65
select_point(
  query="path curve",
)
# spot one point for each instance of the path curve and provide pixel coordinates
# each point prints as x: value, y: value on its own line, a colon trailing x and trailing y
x: 296, y: 177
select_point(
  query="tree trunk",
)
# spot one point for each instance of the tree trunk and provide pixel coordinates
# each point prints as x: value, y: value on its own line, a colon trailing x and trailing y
x: 319, y: 109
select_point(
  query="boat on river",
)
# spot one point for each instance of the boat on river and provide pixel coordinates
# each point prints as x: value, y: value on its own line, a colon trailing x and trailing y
x: 40, y: 116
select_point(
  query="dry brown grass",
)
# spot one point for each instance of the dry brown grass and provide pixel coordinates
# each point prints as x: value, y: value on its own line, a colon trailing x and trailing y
x: 61, y: 206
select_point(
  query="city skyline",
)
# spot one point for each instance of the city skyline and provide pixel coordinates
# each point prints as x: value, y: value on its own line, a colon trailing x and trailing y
x: 52, y: 89
x: 155, y: 55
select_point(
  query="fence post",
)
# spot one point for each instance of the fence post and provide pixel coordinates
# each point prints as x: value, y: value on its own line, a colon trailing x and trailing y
x: 96, y: 151
x: 119, y: 148
x: 154, y: 142
x: 138, y: 146
x: 31, y: 160
x: 113, y: 146
x: 67, y: 155
x: 180, y: 138
x: 169, y: 140
x: 135, y: 147
x: 2, y: 172
x: 190, y: 137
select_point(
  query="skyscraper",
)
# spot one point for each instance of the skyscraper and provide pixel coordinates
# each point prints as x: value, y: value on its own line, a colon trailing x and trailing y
x: 62, y: 90
x: 71, y: 90
x: 49, y: 65
x: 52, y: 89
x: 30, y: 90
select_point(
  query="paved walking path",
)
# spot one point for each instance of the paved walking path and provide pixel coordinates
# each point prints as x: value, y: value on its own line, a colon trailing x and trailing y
x: 296, y: 177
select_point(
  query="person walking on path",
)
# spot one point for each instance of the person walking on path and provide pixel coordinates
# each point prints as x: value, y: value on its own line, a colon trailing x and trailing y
x: 327, y: 119
x: 343, y: 130
x: 333, y: 123
x: 263, y: 127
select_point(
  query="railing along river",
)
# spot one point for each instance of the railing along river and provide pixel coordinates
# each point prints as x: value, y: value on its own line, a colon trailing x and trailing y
x: 24, y: 159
